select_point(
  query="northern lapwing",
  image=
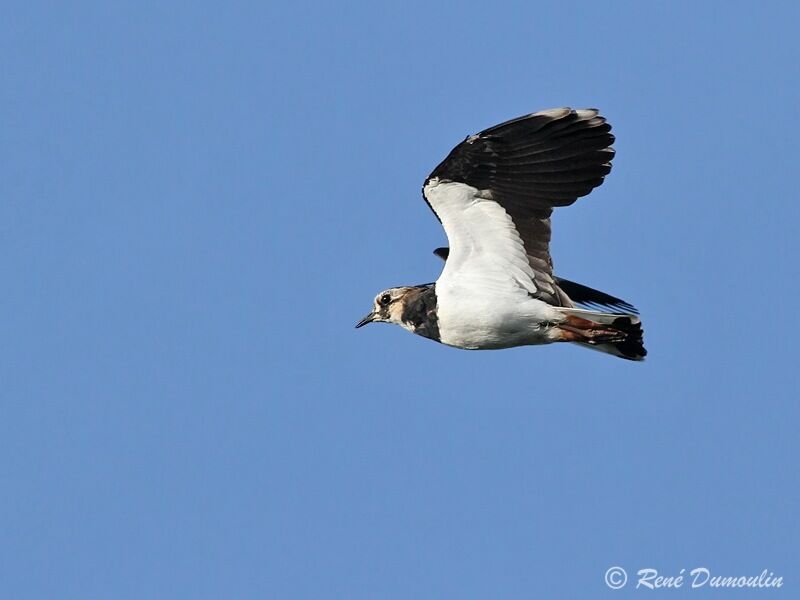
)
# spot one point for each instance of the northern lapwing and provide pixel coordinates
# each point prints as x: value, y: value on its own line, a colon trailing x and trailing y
x: 494, y: 194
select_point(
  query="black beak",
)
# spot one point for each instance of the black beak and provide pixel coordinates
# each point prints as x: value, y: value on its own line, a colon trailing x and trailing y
x: 368, y: 319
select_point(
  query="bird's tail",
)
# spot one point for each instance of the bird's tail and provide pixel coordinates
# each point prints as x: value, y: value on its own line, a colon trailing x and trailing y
x: 617, y: 334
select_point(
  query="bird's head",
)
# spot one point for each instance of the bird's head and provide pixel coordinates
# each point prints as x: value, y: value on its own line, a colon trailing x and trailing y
x: 388, y: 307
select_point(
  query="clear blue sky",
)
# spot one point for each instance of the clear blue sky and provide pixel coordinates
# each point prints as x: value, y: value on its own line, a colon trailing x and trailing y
x: 198, y: 202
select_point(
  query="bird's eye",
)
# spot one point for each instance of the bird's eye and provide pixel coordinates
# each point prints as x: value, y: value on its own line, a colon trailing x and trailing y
x: 385, y: 299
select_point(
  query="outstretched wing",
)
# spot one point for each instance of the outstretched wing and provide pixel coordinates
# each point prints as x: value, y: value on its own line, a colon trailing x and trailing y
x: 495, y: 191
x: 579, y: 294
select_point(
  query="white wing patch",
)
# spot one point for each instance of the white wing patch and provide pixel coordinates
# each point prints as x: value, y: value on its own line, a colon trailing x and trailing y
x: 486, y: 251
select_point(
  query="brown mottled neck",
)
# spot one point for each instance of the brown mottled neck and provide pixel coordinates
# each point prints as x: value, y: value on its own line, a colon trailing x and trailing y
x: 419, y: 311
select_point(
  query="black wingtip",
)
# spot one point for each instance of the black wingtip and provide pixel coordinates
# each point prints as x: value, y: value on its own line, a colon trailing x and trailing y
x: 442, y: 253
x: 593, y: 299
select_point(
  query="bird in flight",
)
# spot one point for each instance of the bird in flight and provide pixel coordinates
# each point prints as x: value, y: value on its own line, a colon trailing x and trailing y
x: 494, y: 194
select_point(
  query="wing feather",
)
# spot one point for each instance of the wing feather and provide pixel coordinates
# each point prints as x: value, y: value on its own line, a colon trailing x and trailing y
x: 528, y: 166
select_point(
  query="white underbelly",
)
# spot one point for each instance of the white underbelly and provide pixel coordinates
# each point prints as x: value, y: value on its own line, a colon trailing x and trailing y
x: 499, y: 321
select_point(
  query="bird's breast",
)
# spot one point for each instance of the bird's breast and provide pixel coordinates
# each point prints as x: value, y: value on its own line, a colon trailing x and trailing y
x: 478, y: 321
